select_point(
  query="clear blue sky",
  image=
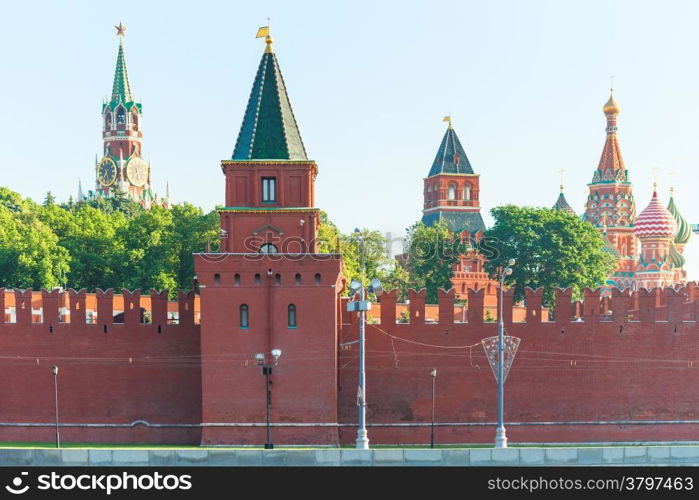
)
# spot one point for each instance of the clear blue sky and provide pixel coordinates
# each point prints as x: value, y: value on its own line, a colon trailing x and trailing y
x: 370, y: 82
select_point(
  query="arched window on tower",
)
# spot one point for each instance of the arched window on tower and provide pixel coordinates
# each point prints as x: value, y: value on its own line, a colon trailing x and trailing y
x: 291, y: 316
x: 244, y: 316
x: 451, y: 192
x: 134, y: 119
x: 268, y: 248
x: 121, y: 116
x: 108, y: 121
x: 467, y: 191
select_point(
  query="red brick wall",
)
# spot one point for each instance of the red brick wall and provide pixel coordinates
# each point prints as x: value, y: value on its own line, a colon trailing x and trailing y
x: 603, y: 369
x: 133, y: 372
x: 634, y: 366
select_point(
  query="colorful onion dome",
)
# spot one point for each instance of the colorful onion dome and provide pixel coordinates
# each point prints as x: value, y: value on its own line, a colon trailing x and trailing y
x: 611, y: 107
x: 684, y: 229
x: 655, y: 221
x: 676, y: 258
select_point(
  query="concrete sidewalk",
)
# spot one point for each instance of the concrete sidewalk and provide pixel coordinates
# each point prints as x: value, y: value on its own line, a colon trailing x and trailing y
x: 549, y: 456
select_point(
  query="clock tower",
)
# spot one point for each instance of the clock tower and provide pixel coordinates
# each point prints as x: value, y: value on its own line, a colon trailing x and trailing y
x: 121, y: 166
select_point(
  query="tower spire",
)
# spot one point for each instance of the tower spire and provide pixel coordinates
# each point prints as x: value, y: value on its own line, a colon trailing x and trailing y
x: 561, y: 202
x: 269, y: 130
x: 121, y: 90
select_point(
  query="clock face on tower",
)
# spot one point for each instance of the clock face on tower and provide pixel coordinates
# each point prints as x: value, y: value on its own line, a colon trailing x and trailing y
x: 106, y: 172
x: 137, y: 171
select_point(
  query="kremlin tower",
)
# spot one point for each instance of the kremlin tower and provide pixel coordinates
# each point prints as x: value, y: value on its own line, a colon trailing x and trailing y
x: 122, y: 167
x: 269, y: 290
x: 451, y: 194
x: 610, y: 204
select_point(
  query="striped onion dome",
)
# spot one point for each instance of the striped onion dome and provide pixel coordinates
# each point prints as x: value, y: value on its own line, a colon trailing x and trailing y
x: 655, y: 221
x: 684, y: 229
x: 676, y: 258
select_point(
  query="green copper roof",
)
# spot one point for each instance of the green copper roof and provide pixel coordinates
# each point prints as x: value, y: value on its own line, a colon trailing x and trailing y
x: 121, y: 90
x: 684, y: 229
x: 269, y: 129
x: 456, y: 221
x: 562, y: 204
x: 451, y: 157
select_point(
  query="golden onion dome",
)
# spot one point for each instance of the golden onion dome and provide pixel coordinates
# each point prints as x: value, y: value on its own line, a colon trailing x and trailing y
x: 611, y: 107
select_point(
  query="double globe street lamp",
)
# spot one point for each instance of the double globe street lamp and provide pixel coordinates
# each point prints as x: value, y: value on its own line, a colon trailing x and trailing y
x: 262, y: 360
x: 500, y: 433
x: 362, y: 306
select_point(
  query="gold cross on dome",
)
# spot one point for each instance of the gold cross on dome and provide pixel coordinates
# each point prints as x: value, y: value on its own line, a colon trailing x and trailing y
x: 121, y: 29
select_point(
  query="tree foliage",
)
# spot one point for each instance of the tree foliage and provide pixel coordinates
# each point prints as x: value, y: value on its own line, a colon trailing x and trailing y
x: 431, y: 253
x: 100, y: 243
x: 377, y: 259
x: 552, y: 248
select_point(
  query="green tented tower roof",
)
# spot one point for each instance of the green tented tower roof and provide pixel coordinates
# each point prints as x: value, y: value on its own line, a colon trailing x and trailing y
x: 121, y: 90
x: 451, y: 157
x: 269, y: 130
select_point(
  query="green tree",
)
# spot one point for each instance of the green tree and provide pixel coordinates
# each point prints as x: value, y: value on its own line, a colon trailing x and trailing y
x: 552, y: 247
x: 30, y: 256
x: 193, y: 231
x: 91, y: 238
x: 432, y: 251
x: 149, y: 258
x: 50, y: 199
x: 377, y: 263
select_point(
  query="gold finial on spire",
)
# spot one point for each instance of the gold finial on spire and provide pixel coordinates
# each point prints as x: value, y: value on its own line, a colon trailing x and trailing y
x: 611, y: 107
x: 448, y: 120
x: 121, y: 30
x: 672, y: 183
x: 655, y: 178
x: 264, y: 32
x: 560, y: 173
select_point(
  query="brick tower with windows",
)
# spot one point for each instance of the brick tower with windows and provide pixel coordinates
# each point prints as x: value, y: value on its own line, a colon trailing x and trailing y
x: 268, y: 288
x: 451, y: 195
x: 611, y: 207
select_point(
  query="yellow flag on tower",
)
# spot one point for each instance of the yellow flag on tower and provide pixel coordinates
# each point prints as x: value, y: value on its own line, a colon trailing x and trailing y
x: 262, y: 32
x: 446, y: 119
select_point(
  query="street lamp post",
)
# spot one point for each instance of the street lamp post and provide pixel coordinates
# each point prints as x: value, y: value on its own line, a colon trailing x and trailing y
x: 261, y: 359
x: 362, y: 306
x: 54, y: 370
x: 433, y: 374
x: 500, y: 433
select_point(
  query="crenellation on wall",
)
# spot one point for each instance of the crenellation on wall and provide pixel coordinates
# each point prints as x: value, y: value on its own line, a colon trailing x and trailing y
x: 508, y: 297
x: 475, y: 306
x: 446, y: 306
x: 23, y: 306
x: 416, y: 300
x: 533, y: 300
x: 591, y: 305
x: 132, y: 314
x: 388, y: 307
